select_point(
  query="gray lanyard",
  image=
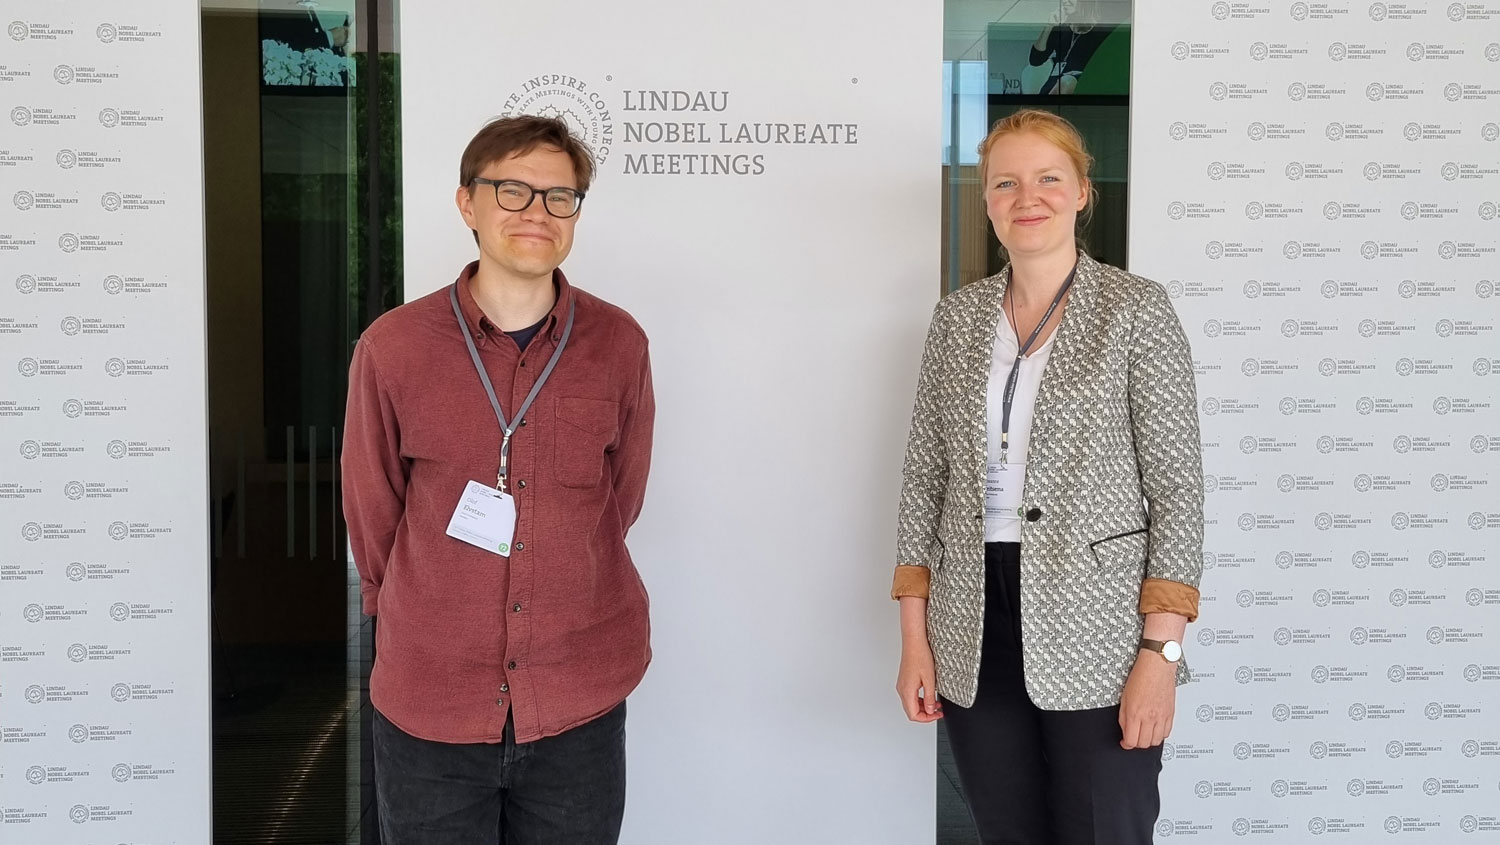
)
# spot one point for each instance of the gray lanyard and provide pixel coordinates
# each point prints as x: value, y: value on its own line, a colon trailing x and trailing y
x: 509, y: 428
x: 1008, y: 398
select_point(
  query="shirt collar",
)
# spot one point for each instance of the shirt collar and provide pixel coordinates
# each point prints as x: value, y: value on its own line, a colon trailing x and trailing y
x: 480, y: 326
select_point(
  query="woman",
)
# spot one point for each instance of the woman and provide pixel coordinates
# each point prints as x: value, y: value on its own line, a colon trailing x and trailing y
x: 1051, y: 519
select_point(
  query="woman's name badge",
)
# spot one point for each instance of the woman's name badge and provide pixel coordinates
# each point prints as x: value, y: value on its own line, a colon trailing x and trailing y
x: 1003, y: 484
x: 485, y: 518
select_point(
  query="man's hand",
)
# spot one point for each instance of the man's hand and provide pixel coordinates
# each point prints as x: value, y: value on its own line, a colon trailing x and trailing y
x: 1148, y: 702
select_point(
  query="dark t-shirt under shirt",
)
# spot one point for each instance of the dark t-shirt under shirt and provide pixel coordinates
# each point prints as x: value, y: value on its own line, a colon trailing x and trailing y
x: 522, y: 337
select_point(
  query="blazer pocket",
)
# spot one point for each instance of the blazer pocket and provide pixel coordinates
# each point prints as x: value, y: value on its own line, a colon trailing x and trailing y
x: 586, y: 428
x: 1127, y: 550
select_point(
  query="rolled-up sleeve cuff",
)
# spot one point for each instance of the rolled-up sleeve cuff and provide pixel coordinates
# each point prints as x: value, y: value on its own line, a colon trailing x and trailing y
x: 1159, y: 595
x: 910, y: 580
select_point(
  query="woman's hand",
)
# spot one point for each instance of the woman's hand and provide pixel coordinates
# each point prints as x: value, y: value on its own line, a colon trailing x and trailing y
x: 916, y: 683
x: 1150, y: 697
x: 916, y: 680
x: 1148, y: 702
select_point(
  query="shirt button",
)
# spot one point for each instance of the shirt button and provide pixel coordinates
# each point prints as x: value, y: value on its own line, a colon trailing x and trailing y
x: 500, y: 702
x: 511, y: 665
x: 505, y: 687
x: 517, y: 607
x: 523, y: 422
x: 520, y: 546
x: 521, y: 483
x: 1034, y: 514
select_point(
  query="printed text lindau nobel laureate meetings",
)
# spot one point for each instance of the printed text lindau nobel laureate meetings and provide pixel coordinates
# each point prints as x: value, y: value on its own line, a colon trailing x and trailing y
x: 719, y: 132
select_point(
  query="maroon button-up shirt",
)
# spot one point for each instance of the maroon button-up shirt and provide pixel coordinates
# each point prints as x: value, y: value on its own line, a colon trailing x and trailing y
x: 556, y: 634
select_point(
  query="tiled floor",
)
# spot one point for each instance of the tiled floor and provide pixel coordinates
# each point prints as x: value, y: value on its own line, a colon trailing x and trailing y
x: 288, y: 762
x: 281, y: 770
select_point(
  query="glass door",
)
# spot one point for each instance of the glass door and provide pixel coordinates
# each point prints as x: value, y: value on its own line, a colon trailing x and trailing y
x: 303, y: 252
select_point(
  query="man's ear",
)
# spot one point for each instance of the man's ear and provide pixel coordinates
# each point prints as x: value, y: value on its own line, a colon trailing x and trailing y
x: 464, y: 199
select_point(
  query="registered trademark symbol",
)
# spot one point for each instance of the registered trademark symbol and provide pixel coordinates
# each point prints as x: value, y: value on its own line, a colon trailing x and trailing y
x: 854, y: 80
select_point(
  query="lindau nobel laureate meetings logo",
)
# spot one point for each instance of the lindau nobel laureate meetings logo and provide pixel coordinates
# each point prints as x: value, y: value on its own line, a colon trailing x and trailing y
x: 573, y: 100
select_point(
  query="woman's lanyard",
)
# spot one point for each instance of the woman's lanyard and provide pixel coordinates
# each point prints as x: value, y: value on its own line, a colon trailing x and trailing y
x: 509, y: 428
x: 1008, y: 398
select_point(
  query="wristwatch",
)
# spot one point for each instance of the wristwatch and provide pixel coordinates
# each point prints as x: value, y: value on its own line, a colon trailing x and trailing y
x: 1170, y: 650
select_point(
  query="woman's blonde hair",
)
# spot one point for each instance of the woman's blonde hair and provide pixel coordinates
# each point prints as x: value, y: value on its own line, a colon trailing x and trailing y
x: 1056, y: 131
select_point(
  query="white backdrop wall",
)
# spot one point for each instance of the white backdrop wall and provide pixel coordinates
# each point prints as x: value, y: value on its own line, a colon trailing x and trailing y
x: 104, y: 666
x: 785, y: 300
x: 1316, y: 183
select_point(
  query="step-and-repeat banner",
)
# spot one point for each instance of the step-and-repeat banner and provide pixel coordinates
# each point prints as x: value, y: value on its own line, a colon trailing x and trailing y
x: 768, y: 208
x: 1317, y: 185
x: 104, y: 675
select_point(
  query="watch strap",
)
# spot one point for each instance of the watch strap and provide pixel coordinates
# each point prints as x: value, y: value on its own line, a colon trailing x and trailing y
x: 1160, y: 647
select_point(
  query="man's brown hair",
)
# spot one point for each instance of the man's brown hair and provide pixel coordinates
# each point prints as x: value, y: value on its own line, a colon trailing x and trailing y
x: 504, y: 137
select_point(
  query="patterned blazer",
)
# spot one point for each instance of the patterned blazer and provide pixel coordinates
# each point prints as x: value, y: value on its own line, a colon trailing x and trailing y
x: 1113, y: 490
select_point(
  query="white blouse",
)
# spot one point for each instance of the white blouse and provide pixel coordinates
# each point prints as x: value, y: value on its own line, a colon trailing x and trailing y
x: 1002, y: 523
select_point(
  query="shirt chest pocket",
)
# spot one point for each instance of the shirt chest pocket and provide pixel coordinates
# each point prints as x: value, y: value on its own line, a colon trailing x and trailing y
x: 586, y: 429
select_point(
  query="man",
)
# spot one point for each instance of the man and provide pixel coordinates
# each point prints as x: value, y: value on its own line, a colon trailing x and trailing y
x: 489, y: 527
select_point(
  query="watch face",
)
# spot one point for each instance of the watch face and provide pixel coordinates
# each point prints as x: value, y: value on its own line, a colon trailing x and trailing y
x: 1172, y: 650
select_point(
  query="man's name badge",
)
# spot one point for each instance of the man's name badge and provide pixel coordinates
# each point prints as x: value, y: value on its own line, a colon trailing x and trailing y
x: 485, y: 518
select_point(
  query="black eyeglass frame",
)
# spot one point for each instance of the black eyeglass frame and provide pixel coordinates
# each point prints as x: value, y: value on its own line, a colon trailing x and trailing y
x: 531, y: 198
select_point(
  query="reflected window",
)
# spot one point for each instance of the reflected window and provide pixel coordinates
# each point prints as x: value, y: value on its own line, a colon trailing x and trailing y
x: 970, y: 102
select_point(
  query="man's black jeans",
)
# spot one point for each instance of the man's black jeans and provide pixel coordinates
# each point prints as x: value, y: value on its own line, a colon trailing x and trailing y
x: 567, y: 789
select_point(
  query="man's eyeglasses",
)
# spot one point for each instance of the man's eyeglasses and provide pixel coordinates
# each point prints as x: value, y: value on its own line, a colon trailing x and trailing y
x: 517, y: 196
